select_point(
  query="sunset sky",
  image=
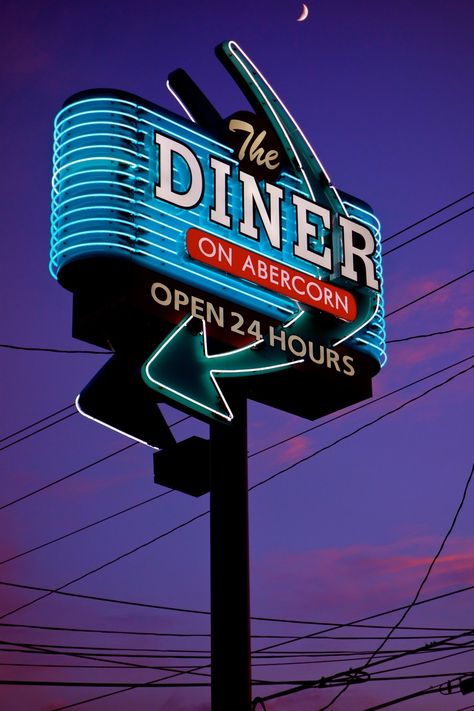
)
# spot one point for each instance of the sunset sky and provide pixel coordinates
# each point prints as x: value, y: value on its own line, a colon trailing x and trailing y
x: 383, y: 91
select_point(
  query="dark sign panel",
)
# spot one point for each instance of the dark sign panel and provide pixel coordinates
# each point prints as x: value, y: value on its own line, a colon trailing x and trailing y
x: 205, y: 249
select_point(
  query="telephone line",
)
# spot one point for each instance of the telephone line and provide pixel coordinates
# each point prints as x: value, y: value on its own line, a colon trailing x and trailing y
x: 400, y: 308
x: 94, y: 630
x: 260, y: 483
x: 361, y: 407
x: 351, y: 673
x: 332, y: 625
x: 41, y: 429
x: 429, y: 335
x: 431, y: 565
x: 77, y: 471
x: 68, y: 476
x: 423, y: 219
x: 38, y: 422
x: 429, y: 293
x: 361, y: 428
x: 408, y: 697
x: 76, y: 351
x: 406, y: 610
x: 426, y: 232
x: 64, y: 536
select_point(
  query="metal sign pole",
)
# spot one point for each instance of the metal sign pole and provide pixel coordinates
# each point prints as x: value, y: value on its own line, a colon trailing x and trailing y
x: 230, y: 591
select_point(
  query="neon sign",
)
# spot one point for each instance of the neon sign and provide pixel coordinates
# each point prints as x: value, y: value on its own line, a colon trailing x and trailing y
x: 234, y: 223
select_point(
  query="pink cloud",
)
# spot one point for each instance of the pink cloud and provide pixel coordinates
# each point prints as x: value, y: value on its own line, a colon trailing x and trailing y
x: 295, y: 449
x: 358, y: 577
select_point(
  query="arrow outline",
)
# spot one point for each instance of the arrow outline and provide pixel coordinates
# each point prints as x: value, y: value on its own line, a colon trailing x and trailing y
x: 213, y: 372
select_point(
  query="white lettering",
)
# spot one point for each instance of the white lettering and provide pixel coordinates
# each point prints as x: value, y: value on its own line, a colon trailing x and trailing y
x: 218, y: 213
x: 252, y: 199
x: 349, y: 230
x: 164, y: 189
x: 306, y: 229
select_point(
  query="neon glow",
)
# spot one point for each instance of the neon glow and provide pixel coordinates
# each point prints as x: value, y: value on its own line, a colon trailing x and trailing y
x: 120, y: 214
x: 203, y: 395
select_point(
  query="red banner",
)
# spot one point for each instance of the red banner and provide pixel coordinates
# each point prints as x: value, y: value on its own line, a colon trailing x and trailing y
x: 233, y: 259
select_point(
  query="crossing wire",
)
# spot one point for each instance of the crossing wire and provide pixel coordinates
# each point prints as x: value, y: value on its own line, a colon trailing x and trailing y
x: 258, y: 484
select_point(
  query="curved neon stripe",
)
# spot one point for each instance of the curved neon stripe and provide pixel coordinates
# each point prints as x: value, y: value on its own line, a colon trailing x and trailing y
x: 94, y: 135
x: 280, y: 103
x: 228, y: 287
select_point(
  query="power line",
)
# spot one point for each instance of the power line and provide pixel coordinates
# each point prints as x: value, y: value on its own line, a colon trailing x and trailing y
x: 75, y: 351
x: 168, y: 608
x: 425, y: 232
x: 361, y: 428
x: 67, y: 476
x: 106, y: 564
x: 431, y: 565
x: 351, y: 676
x: 154, y: 652
x: 102, y: 696
x: 33, y: 424
x: 287, y: 439
x: 429, y: 293
x: 260, y: 483
x: 110, y: 684
x: 401, y: 308
x: 86, y: 527
x: 423, y: 219
x: 41, y: 429
x: 361, y: 407
x: 136, y: 633
x: 423, y: 692
x: 420, y: 587
x: 38, y: 649
x: 52, y: 350
x: 429, y: 335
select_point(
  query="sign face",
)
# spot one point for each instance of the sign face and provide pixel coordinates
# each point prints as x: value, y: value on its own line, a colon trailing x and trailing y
x: 218, y: 245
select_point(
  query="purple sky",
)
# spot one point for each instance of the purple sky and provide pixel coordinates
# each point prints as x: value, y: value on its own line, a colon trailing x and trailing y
x: 384, y: 93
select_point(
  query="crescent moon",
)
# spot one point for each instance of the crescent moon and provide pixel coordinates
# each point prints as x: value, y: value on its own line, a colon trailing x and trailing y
x: 304, y: 13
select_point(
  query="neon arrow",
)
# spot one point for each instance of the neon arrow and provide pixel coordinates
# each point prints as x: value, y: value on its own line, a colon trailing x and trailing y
x: 182, y: 368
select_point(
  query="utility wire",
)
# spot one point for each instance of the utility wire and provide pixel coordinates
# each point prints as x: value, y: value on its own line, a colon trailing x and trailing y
x: 429, y: 335
x: 406, y: 610
x: 38, y: 649
x: 53, y: 350
x: 400, y: 308
x: 260, y: 483
x: 430, y: 567
x: 38, y: 422
x: 423, y: 692
x: 408, y: 607
x: 136, y: 633
x: 106, y: 564
x: 425, y: 232
x: 360, y: 407
x: 423, y: 219
x: 361, y: 428
x: 332, y: 625
x: 420, y: 587
x: 429, y: 293
x: 86, y: 527
x: 353, y: 674
x: 45, y: 349
x: 287, y: 439
x: 102, y: 696
x: 41, y: 429
x: 78, y: 471
x: 67, y: 476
